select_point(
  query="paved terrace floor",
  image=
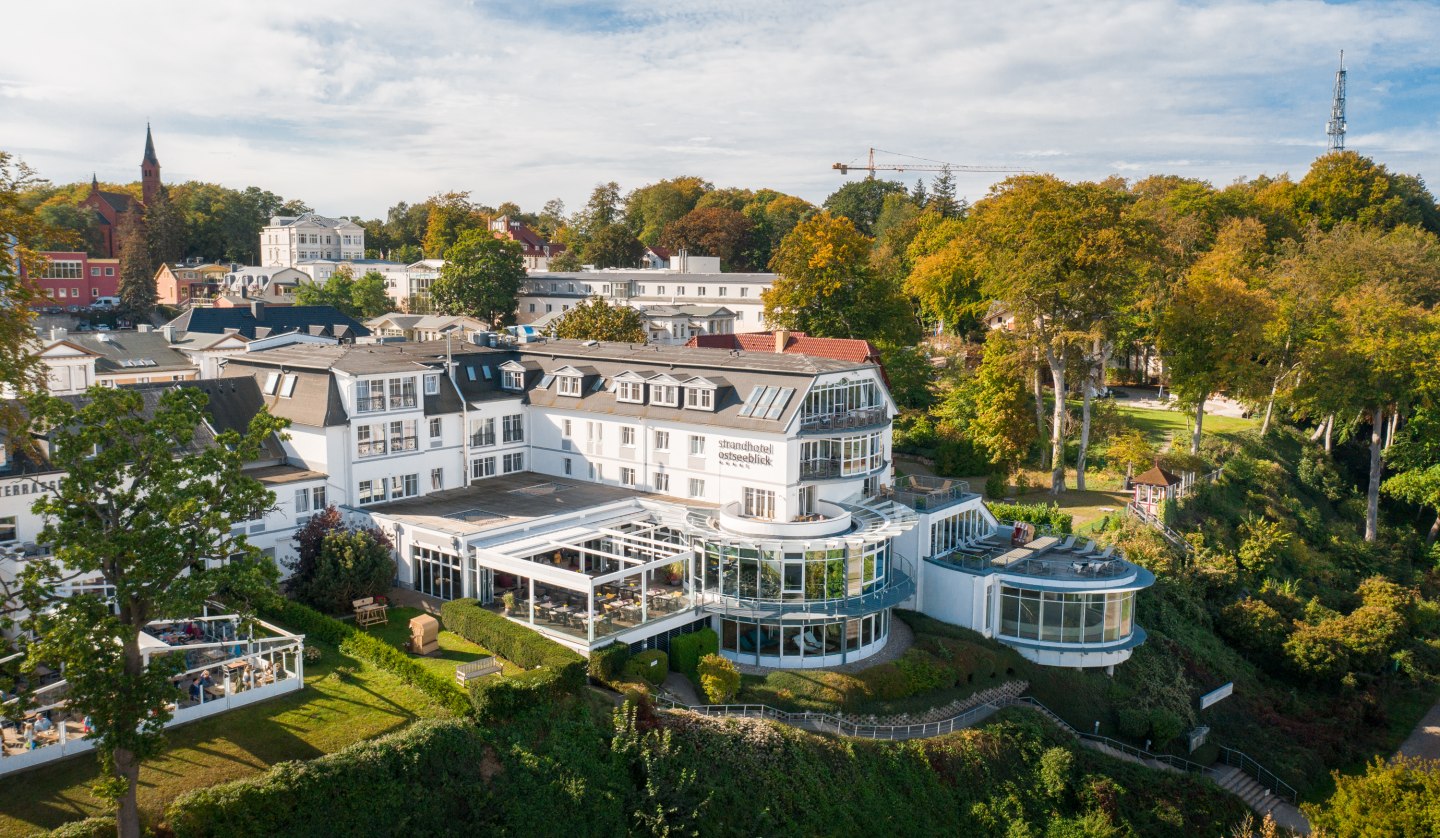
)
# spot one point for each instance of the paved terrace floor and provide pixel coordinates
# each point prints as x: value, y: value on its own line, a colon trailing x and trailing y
x: 507, y: 499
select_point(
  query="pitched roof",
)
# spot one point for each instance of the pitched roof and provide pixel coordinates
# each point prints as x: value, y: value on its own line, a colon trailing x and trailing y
x: 128, y: 351
x: 841, y: 349
x: 277, y: 318
x: 119, y: 201
x: 149, y: 148
x: 1156, y: 476
x: 309, y: 218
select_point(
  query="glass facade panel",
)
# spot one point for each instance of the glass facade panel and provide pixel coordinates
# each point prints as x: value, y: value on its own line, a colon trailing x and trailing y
x: 1066, y: 617
x: 815, y: 575
x: 821, y: 643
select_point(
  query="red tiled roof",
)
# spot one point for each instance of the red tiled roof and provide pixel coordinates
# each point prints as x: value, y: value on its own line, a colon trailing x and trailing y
x: 841, y: 349
x: 662, y: 252
x: 530, y: 241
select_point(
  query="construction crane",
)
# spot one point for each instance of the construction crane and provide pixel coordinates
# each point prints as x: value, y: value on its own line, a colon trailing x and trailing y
x: 1335, y: 128
x: 925, y: 165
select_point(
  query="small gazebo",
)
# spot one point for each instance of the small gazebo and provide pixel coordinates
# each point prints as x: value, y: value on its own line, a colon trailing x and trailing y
x: 1154, y: 487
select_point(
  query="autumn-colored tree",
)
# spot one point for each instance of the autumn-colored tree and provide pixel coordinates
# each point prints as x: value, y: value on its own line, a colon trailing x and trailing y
x: 595, y: 319
x: 1062, y: 257
x: 452, y: 214
x: 712, y: 231
x: 612, y: 246
x: 481, y: 278
x: 1001, y: 421
x: 827, y: 288
x: 861, y: 201
x: 1213, y: 327
x: 649, y: 210
x: 1130, y: 449
x: 1346, y: 187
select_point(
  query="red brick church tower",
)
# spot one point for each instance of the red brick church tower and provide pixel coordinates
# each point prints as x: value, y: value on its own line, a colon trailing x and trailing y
x: 149, y: 170
x: 110, y: 207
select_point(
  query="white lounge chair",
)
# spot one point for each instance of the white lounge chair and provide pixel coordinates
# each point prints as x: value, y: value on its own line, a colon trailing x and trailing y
x: 1069, y: 542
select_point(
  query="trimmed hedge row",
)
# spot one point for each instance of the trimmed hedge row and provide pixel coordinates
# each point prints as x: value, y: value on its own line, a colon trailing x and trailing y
x: 1046, y: 516
x: 503, y: 698
x: 520, y: 645
x: 100, y: 826
x: 422, y: 780
x: 608, y: 662
x: 687, y: 650
x: 372, y: 650
x: 651, y: 666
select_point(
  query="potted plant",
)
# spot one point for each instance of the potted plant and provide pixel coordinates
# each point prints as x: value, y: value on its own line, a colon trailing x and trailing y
x: 508, y: 598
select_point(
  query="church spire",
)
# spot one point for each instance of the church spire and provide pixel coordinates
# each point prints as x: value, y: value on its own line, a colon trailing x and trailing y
x: 94, y: 182
x: 149, y: 148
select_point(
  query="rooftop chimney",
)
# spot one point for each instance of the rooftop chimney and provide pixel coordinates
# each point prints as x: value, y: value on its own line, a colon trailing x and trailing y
x: 257, y: 309
x: 57, y: 333
x: 168, y: 331
x: 143, y: 328
x: 782, y: 339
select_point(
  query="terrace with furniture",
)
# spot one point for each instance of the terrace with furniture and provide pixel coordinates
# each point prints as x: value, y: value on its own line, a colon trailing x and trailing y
x: 219, y: 662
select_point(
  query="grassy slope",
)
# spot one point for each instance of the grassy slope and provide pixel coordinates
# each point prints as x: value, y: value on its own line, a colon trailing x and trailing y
x: 454, y: 649
x: 333, y: 711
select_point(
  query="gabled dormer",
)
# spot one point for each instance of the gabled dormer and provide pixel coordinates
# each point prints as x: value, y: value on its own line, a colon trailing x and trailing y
x: 630, y: 387
x: 665, y: 391
x: 703, y: 393
x: 515, y: 375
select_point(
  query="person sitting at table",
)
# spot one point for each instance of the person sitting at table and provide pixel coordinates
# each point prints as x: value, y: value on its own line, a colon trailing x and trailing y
x: 193, y: 631
x: 195, y: 688
x: 29, y: 736
x: 43, y: 724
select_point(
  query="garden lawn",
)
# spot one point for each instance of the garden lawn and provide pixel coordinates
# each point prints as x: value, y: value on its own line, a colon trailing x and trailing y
x: 454, y: 649
x: 344, y: 701
x: 1160, y: 425
x: 1088, y: 507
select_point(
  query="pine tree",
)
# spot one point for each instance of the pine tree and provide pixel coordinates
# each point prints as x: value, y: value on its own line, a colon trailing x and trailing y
x: 917, y: 195
x: 136, y: 287
x: 164, y: 230
x: 942, y: 194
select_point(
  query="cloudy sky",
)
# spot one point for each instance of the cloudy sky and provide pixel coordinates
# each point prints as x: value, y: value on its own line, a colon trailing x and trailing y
x: 354, y: 106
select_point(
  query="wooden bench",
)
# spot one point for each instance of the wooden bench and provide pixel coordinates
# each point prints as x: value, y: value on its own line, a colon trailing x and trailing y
x: 466, y: 672
x: 368, y: 612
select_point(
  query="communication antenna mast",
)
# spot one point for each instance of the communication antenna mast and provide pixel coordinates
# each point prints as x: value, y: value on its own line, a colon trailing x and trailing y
x: 1336, y: 127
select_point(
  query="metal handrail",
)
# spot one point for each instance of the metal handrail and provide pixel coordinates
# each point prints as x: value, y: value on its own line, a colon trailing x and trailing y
x: 1179, y: 763
x: 828, y: 722
x: 1262, y: 775
x: 856, y: 418
x: 899, y: 587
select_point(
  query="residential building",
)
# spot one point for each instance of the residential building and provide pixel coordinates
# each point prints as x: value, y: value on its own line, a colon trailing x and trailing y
x: 795, y: 343
x: 425, y: 327
x: 319, y: 270
x: 259, y: 320
x: 655, y: 258
x: 287, y: 239
x: 535, y: 249
x: 271, y: 283
x: 184, y: 282
x: 545, y: 296
x: 411, y: 291
x: 75, y: 280
x: 78, y: 360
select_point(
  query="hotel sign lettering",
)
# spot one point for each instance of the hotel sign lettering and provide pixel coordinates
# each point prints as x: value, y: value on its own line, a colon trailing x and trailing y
x: 28, y: 487
x: 746, y: 454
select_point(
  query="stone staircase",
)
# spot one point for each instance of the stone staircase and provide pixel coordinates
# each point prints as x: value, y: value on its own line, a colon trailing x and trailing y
x: 1259, y: 798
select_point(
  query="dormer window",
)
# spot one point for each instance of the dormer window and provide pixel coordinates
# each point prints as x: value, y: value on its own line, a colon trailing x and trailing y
x: 697, y: 398
x: 513, y: 380
x: 567, y: 385
x: 664, y: 391
x: 630, y: 391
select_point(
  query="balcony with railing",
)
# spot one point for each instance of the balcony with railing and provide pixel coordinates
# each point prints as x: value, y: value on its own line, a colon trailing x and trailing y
x: 861, y: 417
x: 925, y: 493
x: 482, y: 439
x: 369, y: 404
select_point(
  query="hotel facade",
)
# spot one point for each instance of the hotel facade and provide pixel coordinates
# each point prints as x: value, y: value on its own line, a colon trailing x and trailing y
x: 606, y: 493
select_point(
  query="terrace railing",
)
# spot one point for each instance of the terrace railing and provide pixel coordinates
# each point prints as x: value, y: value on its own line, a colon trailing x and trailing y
x: 922, y: 492
x: 830, y: 723
x: 1264, y: 776
x: 862, y: 417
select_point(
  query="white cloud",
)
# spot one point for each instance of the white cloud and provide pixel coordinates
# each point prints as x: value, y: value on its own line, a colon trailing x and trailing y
x: 353, y: 107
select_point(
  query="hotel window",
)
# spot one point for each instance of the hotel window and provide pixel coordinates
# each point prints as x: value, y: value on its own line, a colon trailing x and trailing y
x: 662, y: 482
x: 405, y: 486
x: 94, y: 271
x: 631, y: 391
x: 744, y: 292
x: 699, y: 398
x: 483, y: 433
x: 302, y: 501
x: 402, y: 436
x: 369, y: 396
x: 680, y: 290
x: 512, y: 428
x: 567, y: 385
x: 437, y: 427
x: 432, y: 385
x: 402, y: 393
x: 482, y: 467
x: 627, y: 436
x: 627, y: 476
x: 664, y: 395
x: 701, y: 291
x: 660, y: 289
x: 759, y: 503
x: 569, y: 466
x: 437, y: 478
x: 662, y: 440
x: 317, y: 498
x: 723, y: 289
x: 371, y: 491
x: 514, y: 462
x: 697, y: 446
x: 697, y: 487
x: 532, y: 308
x: 513, y: 380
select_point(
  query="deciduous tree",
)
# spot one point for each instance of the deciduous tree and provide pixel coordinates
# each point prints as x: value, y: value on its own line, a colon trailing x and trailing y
x: 481, y: 278
x: 651, y: 209
x: 141, y: 508
x: 164, y: 230
x: 827, y: 288
x: 595, y: 319
x: 336, y: 565
x: 712, y: 231
x: 612, y: 246
x: 861, y: 201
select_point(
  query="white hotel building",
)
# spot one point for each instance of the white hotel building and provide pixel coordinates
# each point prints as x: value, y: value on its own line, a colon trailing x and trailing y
x: 610, y: 493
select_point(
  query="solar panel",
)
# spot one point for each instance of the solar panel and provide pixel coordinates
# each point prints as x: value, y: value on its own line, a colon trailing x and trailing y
x: 781, y: 399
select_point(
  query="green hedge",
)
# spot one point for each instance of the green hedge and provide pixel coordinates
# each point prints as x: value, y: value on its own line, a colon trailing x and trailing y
x: 372, y: 650
x: 503, y: 698
x: 100, y: 826
x: 1046, y: 516
x: 520, y: 645
x: 651, y: 665
x: 422, y: 780
x: 687, y: 650
x: 607, y: 662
